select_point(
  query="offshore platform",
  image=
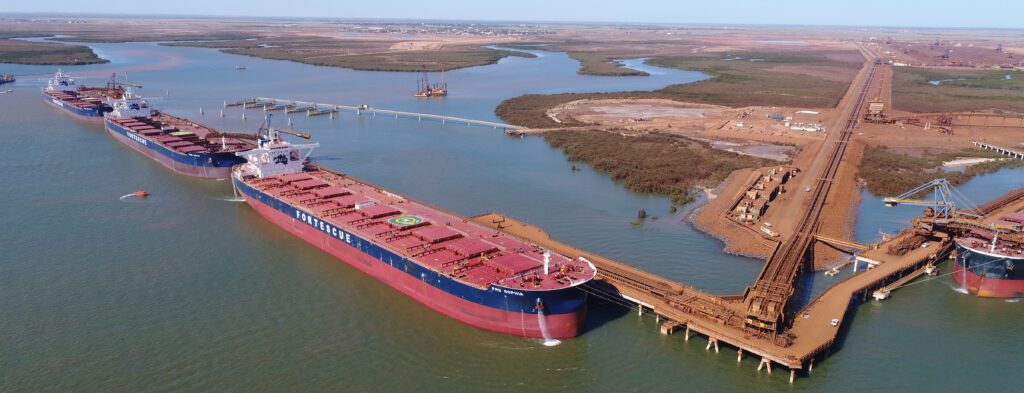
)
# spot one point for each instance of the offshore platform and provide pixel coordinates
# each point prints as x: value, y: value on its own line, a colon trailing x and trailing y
x: 426, y: 89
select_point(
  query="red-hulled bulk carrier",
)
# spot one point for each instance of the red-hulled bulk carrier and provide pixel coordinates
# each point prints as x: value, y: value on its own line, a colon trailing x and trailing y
x: 83, y: 102
x: 454, y: 266
x: 990, y: 262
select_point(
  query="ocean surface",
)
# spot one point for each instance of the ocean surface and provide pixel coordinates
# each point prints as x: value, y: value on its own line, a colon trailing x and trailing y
x: 192, y: 291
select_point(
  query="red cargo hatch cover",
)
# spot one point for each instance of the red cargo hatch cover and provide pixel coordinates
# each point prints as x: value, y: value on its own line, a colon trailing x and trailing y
x: 295, y: 177
x: 470, y: 247
x: 351, y: 200
x: 332, y: 191
x: 309, y: 183
x: 434, y: 234
x: 378, y: 211
x: 517, y: 263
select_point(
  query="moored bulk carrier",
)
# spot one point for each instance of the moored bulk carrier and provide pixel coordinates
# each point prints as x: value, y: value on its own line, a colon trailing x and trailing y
x: 63, y: 92
x: 990, y: 263
x: 179, y: 144
x: 461, y: 269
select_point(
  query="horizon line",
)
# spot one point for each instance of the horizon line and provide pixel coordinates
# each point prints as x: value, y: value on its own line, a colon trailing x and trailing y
x: 87, y: 15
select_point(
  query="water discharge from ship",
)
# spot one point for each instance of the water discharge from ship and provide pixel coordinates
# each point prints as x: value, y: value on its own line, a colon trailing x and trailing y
x: 543, y: 324
x: 234, y: 197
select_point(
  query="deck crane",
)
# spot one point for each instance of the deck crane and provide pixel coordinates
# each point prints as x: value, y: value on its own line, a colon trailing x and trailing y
x: 113, y: 84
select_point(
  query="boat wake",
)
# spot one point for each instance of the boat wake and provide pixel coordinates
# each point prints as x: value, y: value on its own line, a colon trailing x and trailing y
x: 130, y: 198
x: 1012, y: 300
x: 232, y: 199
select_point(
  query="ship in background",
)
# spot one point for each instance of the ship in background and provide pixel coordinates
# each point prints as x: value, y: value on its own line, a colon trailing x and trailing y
x: 87, y: 102
x: 179, y: 144
x: 458, y: 268
x: 990, y: 261
x: 988, y: 241
x: 7, y: 78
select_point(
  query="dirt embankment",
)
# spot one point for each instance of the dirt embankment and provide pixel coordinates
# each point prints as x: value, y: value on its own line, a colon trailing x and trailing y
x: 651, y: 163
x: 711, y: 219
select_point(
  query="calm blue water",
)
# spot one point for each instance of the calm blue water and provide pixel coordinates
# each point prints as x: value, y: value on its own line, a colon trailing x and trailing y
x: 189, y: 292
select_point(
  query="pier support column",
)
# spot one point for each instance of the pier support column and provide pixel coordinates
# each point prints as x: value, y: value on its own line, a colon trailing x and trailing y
x: 657, y: 318
x: 640, y: 310
x: 765, y: 363
x: 792, y: 376
x: 810, y: 368
x: 687, y: 336
x: 739, y: 355
x: 712, y: 341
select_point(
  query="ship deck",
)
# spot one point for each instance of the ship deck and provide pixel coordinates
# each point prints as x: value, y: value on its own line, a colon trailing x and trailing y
x: 76, y: 99
x: 182, y: 135
x: 441, y: 241
x: 986, y: 241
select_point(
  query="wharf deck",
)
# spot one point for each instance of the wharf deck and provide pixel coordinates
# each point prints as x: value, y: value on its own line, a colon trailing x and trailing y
x: 721, y: 318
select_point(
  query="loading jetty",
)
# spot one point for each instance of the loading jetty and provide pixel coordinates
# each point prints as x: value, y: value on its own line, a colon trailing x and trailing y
x: 318, y: 108
x: 801, y: 336
x: 764, y: 322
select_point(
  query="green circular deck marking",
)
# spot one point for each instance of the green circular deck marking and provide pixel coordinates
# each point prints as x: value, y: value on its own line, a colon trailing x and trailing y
x: 406, y: 220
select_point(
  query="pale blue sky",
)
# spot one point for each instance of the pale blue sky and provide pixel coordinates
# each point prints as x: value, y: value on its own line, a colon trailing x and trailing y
x: 917, y: 13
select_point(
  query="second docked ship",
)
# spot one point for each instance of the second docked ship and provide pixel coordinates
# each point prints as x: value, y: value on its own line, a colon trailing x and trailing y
x: 181, y: 145
x: 63, y: 92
